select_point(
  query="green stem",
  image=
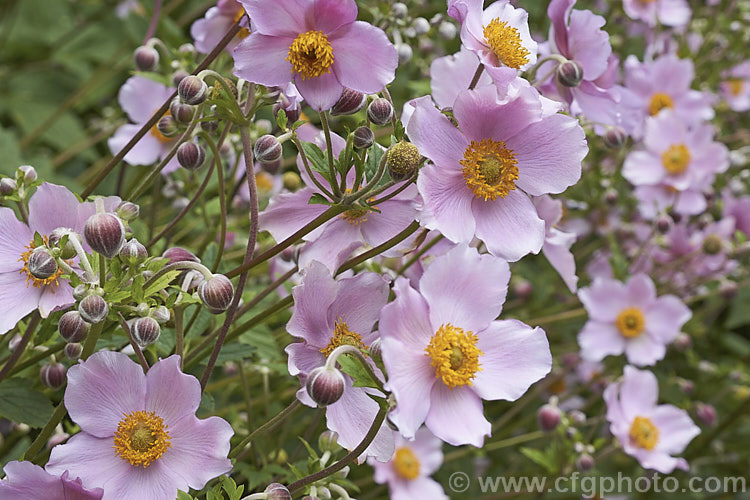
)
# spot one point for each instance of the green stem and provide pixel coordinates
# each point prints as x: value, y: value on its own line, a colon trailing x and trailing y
x: 18, y: 351
x: 331, y: 167
x: 46, y: 432
x: 553, y: 318
x: 268, y: 426
x: 408, y: 231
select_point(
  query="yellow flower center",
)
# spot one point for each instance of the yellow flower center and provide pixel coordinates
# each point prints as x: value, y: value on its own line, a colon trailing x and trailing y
x: 490, y: 169
x: 343, y: 336
x: 455, y: 355
x: 157, y: 133
x: 658, y: 102
x: 505, y: 42
x: 141, y: 438
x: 311, y: 55
x: 244, y: 32
x: 643, y: 433
x: 676, y: 159
x: 52, y: 281
x: 735, y: 86
x: 264, y: 181
x: 630, y: 322
x: 406, y: 463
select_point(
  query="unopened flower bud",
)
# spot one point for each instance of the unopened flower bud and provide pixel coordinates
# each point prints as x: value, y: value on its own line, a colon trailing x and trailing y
x: 41, y: 264
x: 145, y: 331
x: 167, y: 126
x: 276, y: 491
x: 329, y: 441
x: 349, y: 103
x: 405, y: 53
x: 570, y: 73
x: 80, y: 291
x: 585, y: 462
x: 8, y: 186
x: 376, y: 350
x: 402, y: 160
x: 399, y: 10
x: 69, y: 251
x: 291, y: 181
x: 182, y: 113
x: 663, y: 223
x: 28, y: 173
x: 272, y: 167
x: 292, y: 112
x: 178, y: 75
x: 160, y: 314
x: 706, y: 414
x: 133, y: 252
x: 53, y: 375
x: 146, y: 58
x: 191, y: 155
x: 615, y: 137
x: 728, y: 289
x: 363, y: 138
x: 325, y: 386
x: 682, y: 342
x: 72, y: 327
x: 73, y: 351
x: 210, y: 126
x: 523, y: 289
x: 192, y: 90
x: 179, y: 254
x: 380, y: 111
x: 548, y: 417
x: 421, y: 25
x: 447, y: 30
x: 93, y: 308
x: 267, y: 149
x: 216, y: 293
x: 104, y: 233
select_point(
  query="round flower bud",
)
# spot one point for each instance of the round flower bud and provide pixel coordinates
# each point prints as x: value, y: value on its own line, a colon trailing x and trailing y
x: 577, y: 417
x: 217, y: 293
x: 376, y: 350
x: 72, y: 327
x: 728, y: 289
x: 663, y: 224
x: 349, y: 103
x: 363, y: 138
x: 267, y: 149
x: 28, y: 173
x: 291, y: 181
x: 179, y: 254
x: 41, y: 264
x: 73, y: 351
x: 93, y: 308
x: 8, y: 186
x: 615, y: 137
x: 160, y: 314
x: 402, y: 160
x: 191, y: 155
x: 145, y: 331
x: 210, y: 126
x: 181, y: 112
x: 146, y: 58
x: 104, y: 233
x: 712, y: 244
x: 548, y: 417
x: 277, y: 491
x: 399, y: 10
x: 69, y: 251
x: 133, y: 252
x: 585, y: 462
x: 167, y: 126
x: 686, y: 386
x: 325, y: 386
x: 682, y: 342
x: 80, y: 291
x: 192, y: 90
x: 447, y: 30
x: 178, y: 75
x: 380, y: 111
x: 570, y: 74
x: 292, y: 112
x: 405, y: 53
x: 329, y: 441
x: 53, y: 375
x: 421, y: 25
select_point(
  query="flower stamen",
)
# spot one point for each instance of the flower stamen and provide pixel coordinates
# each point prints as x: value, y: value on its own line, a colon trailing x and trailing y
x: 343, y: 336
x: 659, y: 101
x: 406, y: 463
x: 489, y: 169
x: 141, y: 438
x: 643, y: 433
x: 676, y: 159
x: 455, y: 355
x: 311, y: 55
x: 505, y: 42
x: 630, y: 322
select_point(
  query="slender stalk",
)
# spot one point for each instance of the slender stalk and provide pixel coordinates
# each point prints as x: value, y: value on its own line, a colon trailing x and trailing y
x: 477, y: 75
x: 418, y: 255
x: 154, y: 21
x: 46, y: 432
x: 18, y: 351
x: 393, y: 193
x: 182, y: 265
x: 497, y: 445
x: 222, y: 193
x: 268, y: 426
x: 40, y: 356
x: 133, y: 344
x: 24, y: 213
x: 331, y: 167
x: 306, y: 164
x: 410, y: 229
x: 553, y: 318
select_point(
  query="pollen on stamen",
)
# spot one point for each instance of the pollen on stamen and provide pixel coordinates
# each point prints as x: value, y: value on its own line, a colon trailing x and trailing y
x: 343, y: 336
x: 489, y: 169
x: 311, y: 55
x: 505, y: 42
x: 454, y: 355
x: 141, y: 438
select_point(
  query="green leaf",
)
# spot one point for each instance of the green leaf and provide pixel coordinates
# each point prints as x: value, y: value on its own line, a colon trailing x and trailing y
x: 21, y: 404
x: 281, y: 119
x: 539, y: 457
x: 739, y: 313
x: 399, y: 131
x: 181, y: 495
x: 373, y: 161
x: 310, y: 449
x: 161, y: 282
x: 316, y: 159
x: 353, y: 367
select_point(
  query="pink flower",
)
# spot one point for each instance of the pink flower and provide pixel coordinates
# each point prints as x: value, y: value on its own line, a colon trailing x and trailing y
x: 735, y: 89
x: 483, y: 171
x: 50, y: 207
x: 407, y: 474
x: 445, y: 352
x: 666, y: 12
x: 317, y: 43
x: 329, y: 313
x: 557, y: 243
x: 649, y: 432
x: 26, y: 481
x: 629, y: 318
x: 141, y: 439
x: 208, y: 31
x: 140, y: 97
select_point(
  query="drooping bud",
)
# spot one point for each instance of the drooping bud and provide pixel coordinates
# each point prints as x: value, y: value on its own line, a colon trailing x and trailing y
x: 216, y: 293
x: 191, y: 155
x: 41, y: 264
x: 80, y: 291
x: 53, y: 375
x: 403, y: 160
x: 663, y: 223
x: 73, y: 351
x: 325, y: 385
x: 615, y: 137
x: 104, y: 233
x: 706, y: 414
x: 585, y: 462
x: 181, y: 112
x: 160, y: 314
x: 271, y: 167
x: 178, y: 75
x: 349, y: 103
x: 291, y: 181
x: 72, y: 327
x: 8, y: 186
x: 570, y: 73
x: 167, y: 126
x: 93, y: 308
x: 329, y: 441
x: 380, y: 111
x: 277, y: 491
x: 127, y: 210
x: 28, y: 173
x: 69, y: 251
x: 192, y: 90
x: 363, y: 138
x: 292, y: 112
x: 267, y: 149
x: 548, y: 417
x: 179, y: 254
x: 145, y: 331
x: 133, y: 252
x: 146, y: 58
x: 376, y: 350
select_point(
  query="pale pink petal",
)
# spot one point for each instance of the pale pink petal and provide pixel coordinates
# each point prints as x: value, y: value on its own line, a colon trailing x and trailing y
x: 16, y: 299
x: 288, y: 213
x: 644, y: 350
x: 456, y: 416
x: 359, y: 301
x: 421, y: 487
x: 364, y: 58
x: 480, y: 116
x: 304, y: 358
x: 639, y: 392
x: 435, y: 135
x: 312, y: 299
x: 641, y: 291
x: 321, y: 92
x: 170, y: 393
x: 604, y: 299
x: 145, y: 152
x: 447, y: 202
x: 262, y: 59
x: 676, y: 428
x: 52, y: 206
x: 665, y: 318
x: 599, y: 340
x: 139, y: 97
x: 287, y: 18
x: 406, y: 319
x: 332, y: 14
x: 61, y: 297
x: 15, y: 237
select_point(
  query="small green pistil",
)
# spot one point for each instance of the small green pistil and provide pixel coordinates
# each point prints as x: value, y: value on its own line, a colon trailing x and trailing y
x: 491, y: 169
x: 142, y: 438
x: 456, y: 358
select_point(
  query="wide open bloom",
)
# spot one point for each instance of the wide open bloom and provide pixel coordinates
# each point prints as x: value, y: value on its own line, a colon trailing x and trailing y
x: 445, y: 352
x: 483, y: 171
x: 735, y: 88
x: 26, y: 481
x: 317, y: 43
x: 499, y: 34
x: 50, y: 207
x: 629, y: 318
x: 208, y: 31
x: 139, y: 435
x: 408, y: 472
x: 329, y: 313
x: 666, y: 12
x: 649, y: 432
x: 140, y: 97
x: 557, y: 243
